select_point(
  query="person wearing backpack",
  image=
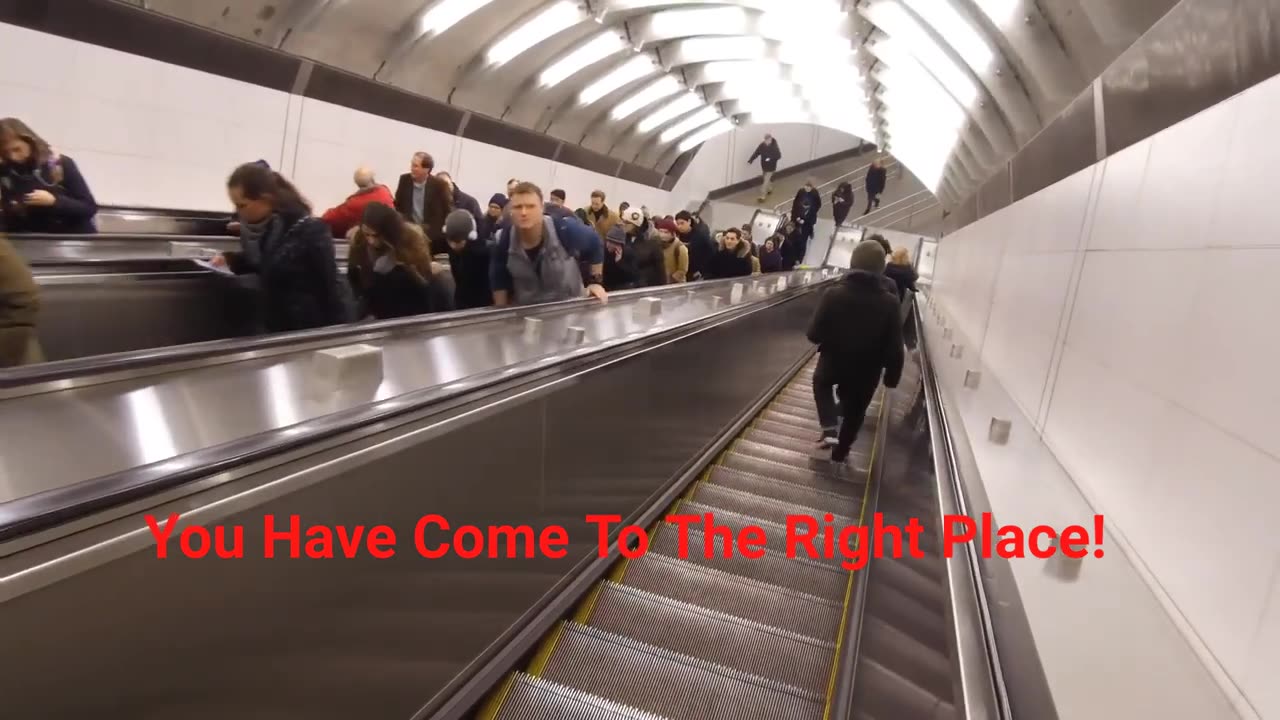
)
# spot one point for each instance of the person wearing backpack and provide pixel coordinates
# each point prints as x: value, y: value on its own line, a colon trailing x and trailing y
x: 537, y: 260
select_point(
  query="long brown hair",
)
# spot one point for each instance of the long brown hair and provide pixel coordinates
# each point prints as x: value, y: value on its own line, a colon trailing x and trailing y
x: 42, y: 155
x: 403, y: 240
x: 257, y: 181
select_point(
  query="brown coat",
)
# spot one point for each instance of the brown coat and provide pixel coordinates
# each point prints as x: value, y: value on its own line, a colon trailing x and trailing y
x: 604, y: 222
x: 19, y: 308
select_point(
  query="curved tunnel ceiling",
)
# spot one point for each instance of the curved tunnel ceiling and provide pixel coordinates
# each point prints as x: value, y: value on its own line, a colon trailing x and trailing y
x: 952, y: 88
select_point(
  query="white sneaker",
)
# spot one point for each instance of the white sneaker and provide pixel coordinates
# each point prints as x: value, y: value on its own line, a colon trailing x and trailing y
x: 828, y: 441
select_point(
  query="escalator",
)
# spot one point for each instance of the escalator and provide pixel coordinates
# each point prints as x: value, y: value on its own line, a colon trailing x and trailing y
x: 672, y: 636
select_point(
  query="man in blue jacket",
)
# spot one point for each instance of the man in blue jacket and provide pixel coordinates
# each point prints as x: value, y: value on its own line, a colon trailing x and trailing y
x: 537, y: 258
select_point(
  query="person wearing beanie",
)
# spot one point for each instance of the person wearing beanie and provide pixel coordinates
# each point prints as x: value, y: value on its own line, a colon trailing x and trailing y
x: 468, y: 260
x: 620, y: 271
x: 493, y: 218
x: 675, y: 255
x: 858, y: 330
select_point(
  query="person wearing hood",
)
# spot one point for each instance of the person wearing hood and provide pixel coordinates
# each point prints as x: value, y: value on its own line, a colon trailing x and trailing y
x: 770, y: 257
x: 390, y: 269
x: 697, y: 237
x: 805, y: 207
x: 41, y: 190
x: 645, y: 247
x: 460, y: 199
x: 600, y: 216
x: 469, y: 260
x: 858, y: 331
x: 621, y: 272
x: 733, y: 259
x: 347, y: 215
x: 675, y: 256
x: 841, y: 202
x: 289, y: 251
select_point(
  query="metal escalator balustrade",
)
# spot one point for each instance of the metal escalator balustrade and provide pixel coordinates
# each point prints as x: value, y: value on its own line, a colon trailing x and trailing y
x: 675, y: 636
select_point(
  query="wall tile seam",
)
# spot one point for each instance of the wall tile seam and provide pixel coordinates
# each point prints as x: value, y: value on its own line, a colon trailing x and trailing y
x: 1226, y: 683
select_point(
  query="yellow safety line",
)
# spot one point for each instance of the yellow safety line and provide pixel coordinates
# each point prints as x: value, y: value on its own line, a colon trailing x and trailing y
x: 494, y: 704
x: 539, y: 663
x: 848, y: 590
x: 583, y: 614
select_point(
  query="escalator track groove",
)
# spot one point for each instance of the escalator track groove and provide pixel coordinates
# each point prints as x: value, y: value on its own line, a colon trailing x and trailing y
x: 716, y: 638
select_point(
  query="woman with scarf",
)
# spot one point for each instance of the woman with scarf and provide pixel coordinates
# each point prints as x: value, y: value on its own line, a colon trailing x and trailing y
x: 41, y: 191
x: 390, y: 268
x: 289, y: 250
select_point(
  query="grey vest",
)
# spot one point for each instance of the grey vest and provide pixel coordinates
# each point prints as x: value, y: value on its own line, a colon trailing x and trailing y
x: 556, y: 276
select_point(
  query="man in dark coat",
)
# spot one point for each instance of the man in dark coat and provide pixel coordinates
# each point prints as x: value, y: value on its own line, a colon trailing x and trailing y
x: 411, y: 192
x: 769, y: 154
x: 697, y: 236
x: 462, y: 200
x: 876, y: 178
x: 804, y: 209
x: 858, y: 332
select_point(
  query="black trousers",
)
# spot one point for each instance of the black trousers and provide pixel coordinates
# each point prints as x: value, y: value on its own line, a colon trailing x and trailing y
x: 855, y: 395
x: 872, y: 200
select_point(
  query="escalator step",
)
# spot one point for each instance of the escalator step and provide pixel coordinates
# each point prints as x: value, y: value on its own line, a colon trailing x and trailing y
x: 922, y: 622
x: 777, y: 429
x: 814, y: 460
x: 879, y: 692
x: 533, y: 698
x: 806, y: 445
x: 923, y: 665
x: 714, y: 636
x: 788, y: 492
x: 800, y: 573
x: 670, y: 684
x: 766, y: 508
x: 775, y: 533
x: 774, y: 605
x: 853, y: 479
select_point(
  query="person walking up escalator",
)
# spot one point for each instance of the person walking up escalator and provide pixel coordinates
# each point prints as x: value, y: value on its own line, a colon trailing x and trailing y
x: 841, y: 202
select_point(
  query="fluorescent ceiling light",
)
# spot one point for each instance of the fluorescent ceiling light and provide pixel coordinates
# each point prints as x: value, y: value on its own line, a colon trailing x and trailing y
x: 729, y: 20
x: 967, y: 41
x: 706, y: 49
x: 1001, y: 12
x: 732, y: 70
x: 447, y: 14
x: 906, y: 32
x: 718, y: 127
x: 663, y: 87
x: 637, y: 67
x: 555, y: 18
x: 593, y: 51
x: 689, y: 124
x: 669, y: 112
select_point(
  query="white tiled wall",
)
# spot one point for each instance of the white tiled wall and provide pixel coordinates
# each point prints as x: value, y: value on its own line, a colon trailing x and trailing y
x: 1129, y: 314
x: 174, y: 143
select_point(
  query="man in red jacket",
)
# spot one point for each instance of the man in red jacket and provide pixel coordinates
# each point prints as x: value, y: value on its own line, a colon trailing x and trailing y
x: 347, y: 215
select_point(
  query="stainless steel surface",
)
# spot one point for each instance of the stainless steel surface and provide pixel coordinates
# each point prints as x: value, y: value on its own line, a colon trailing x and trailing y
x: 719, y: 637
x: 172, y: 424
x: 369, y: 638
x: 45, y: 249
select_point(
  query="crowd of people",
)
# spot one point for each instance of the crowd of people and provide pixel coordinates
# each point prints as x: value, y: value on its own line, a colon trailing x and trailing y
x: 426, y: 247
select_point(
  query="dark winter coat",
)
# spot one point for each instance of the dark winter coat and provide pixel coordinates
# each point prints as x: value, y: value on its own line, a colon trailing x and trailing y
x: 769, y: 154
x: 391, y: 293
x: 646, y: 246
x: 621, y: 273
x: 841, y: 202
x: 728, y: 263
x: 470, y: 269
x: 876, y: 177
x: 770, y: 261
x: 701, y: 249
x: 903, y: 277
x: 805, y: 207
x: 859, y: 327
x: 298, y: 276
x: 73, y: 209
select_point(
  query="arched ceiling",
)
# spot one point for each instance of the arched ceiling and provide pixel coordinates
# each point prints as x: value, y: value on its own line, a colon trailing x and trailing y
x: 952, y: 88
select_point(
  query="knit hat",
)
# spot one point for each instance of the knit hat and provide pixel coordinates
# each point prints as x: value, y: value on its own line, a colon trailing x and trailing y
x: 868, y: 256
x: 665, y: 224
x: 498, y: 199
x: 460, y: 225
x: 616, y: 235
x: 633, y: 216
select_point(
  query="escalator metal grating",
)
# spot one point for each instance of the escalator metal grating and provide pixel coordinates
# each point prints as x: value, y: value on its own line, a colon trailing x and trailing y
x: 701, y: 636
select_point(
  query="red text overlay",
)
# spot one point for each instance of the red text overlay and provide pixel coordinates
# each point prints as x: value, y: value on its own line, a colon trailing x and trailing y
x: 802, y: 536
